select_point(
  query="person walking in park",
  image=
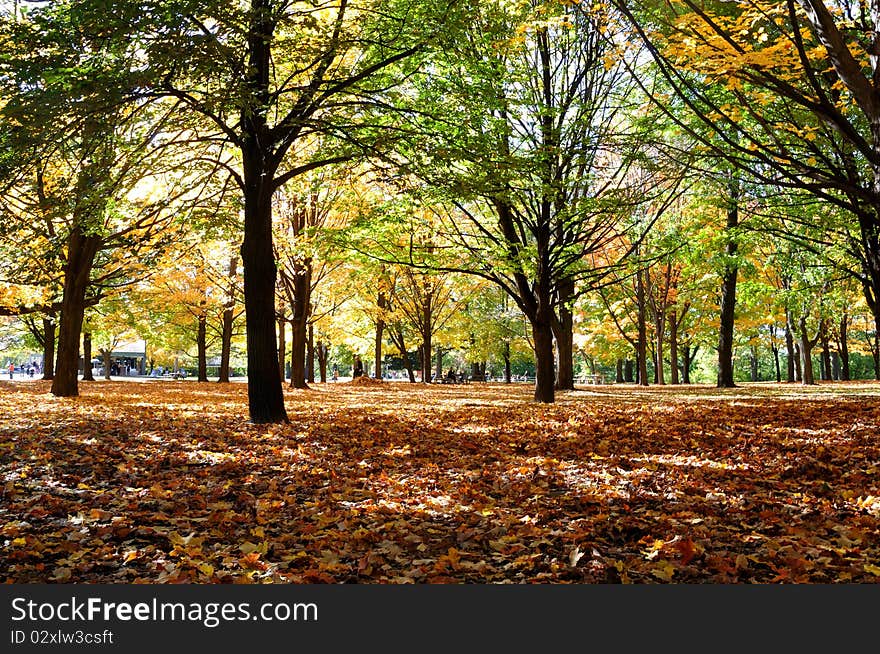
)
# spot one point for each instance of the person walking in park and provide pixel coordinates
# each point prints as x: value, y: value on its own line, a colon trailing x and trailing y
x: 11, y: 369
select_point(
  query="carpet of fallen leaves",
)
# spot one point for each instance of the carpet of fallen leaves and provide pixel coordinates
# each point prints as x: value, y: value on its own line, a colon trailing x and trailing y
x: 166, y: 482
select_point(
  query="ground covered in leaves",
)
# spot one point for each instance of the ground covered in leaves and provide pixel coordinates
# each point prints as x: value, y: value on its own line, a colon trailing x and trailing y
x: 165, y: 482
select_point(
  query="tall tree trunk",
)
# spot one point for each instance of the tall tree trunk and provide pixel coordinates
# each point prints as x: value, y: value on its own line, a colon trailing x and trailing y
x: 618, y: 373
x: 728, y: 295
x: 202, y: 339
x: 775, y: 349
x: 508, y: 376
x: 265, y: 395
x: 806, y: 348
x: 628, y: 372
x: 81, y: 251
x: 686, y: 363
x: 825, y: 340
x: 843, y: 345
x: 87, y: 357
x: 48, y: 347
x: 542, y: 337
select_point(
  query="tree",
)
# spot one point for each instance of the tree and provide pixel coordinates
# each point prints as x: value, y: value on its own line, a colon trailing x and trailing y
x: 270, y: 75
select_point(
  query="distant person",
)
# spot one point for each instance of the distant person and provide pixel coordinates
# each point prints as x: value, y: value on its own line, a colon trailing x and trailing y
x: 11, y: 370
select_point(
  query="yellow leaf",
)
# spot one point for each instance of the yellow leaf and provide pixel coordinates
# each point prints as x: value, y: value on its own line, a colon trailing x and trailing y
x: 873, y: 569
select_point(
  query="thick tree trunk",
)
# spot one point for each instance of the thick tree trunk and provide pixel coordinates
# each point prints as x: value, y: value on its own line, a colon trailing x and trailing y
x: 725, y: 332
x: 806, y: 348
x: 843, y: 334
x: 265, y: 397
x: 728, y: 294
x: 542, y: 337
x: 87, y: 357
x: 106, y: 355
x: 628, y: 372
x: 81, y: 251
x: 618, y: 373
x: 202, y: 338
x: 49, y: 347
x: 265, y: 394
x: 825, y: 340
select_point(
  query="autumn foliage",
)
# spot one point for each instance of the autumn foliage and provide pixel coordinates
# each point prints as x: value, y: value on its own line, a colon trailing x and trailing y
x: 160, y: 482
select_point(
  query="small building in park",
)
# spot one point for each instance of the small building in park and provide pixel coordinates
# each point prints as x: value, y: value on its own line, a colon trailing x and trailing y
x: 128, y: 359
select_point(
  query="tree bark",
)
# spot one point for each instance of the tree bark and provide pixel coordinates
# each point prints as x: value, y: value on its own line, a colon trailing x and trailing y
x: 843, y: 335
x: 81, y: 251
x: 508, y: 376
x: 825, y: 340
x: 728, y: 295
x: 265, y: 395
x: 806, y: 349
x: 542, y: 337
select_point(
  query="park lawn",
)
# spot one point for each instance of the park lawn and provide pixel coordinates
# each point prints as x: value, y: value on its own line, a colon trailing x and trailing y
x: 385, y: 482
